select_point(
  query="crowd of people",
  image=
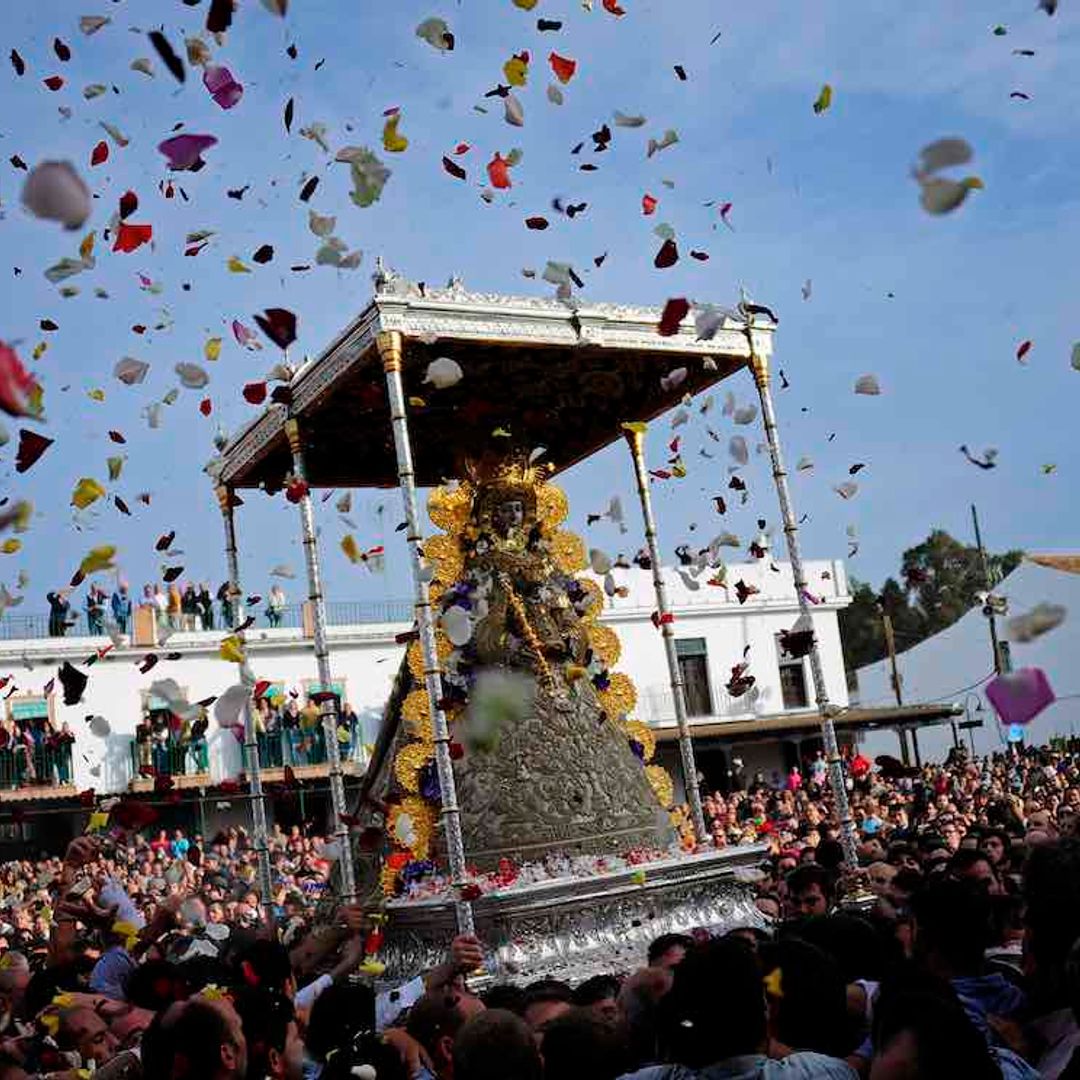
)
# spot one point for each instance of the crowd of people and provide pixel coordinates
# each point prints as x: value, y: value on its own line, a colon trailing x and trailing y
x: 177, y: 606
x: 953, y: 949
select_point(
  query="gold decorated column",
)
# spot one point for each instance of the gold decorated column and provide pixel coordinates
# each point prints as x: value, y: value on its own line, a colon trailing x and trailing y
x: 389, y: 344
x: 635, y: 438
x: 329, y: 705
x: 759, y: 367
x: 260, y: 833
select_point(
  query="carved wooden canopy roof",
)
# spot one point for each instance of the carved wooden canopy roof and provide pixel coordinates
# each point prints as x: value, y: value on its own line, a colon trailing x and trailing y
x: 563, y: 375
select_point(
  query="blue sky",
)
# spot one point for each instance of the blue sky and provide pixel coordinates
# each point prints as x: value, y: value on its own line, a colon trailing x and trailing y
x: 934, y: 306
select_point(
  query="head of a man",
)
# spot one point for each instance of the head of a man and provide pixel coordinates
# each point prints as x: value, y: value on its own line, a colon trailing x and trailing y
x: 434, y: 1022
x: 83, y: 1030
x: 544, y: 1001
x: 494, y: 1045
x: 600, y: 997
x: 809, y: 892
x: 198, y: 1039
x: 274, y: 1047
x: 716, y: 1007
x: 668, y: 950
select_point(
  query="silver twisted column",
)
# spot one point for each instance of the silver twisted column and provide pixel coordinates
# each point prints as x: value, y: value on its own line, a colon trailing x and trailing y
x: 635, y: 438
x: 389, y: 345
x: 759, y: 366
x: 260, y: 833
x: 329, y: 707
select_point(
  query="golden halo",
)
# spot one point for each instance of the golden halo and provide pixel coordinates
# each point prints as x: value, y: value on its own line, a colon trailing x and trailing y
x: 619, y: 699
x: 449, y: 509
x: 661, y: 783
x: 552, y: 507
x: 605, y: 645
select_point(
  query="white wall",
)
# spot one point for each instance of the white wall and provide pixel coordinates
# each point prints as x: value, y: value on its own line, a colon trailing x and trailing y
x: 366, y: 658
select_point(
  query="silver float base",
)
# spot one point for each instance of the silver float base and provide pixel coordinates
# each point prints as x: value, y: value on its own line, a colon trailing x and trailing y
x: 574, y: 928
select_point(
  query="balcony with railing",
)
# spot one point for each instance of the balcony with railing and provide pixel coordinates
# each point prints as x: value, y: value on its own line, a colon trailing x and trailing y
x: 41, y: 770
x: 186, y: 763
x: 15, y: 626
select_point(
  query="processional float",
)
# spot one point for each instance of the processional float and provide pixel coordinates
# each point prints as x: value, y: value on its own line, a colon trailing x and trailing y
x: 561, y: 814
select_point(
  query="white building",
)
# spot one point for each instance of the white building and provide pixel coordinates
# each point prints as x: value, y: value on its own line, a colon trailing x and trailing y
x: 769, y: 727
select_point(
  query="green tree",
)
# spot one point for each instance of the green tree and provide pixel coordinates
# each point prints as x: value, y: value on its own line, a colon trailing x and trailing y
x: 942, y: 577
x: 941, y: 580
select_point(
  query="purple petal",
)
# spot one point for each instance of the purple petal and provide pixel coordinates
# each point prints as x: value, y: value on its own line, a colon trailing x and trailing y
x: 1020, y: 696
x: 185, y: 151
x: 223, y: 88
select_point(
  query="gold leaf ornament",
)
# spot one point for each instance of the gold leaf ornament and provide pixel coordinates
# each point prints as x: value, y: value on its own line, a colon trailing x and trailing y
x: 416, y: 713
x: 410, y: 759
x: 661, y: 783
x: 443, y: 649
x: 605, y: 645
x: 568, y: 552
x: 640, y: 732
x: 620, y: 698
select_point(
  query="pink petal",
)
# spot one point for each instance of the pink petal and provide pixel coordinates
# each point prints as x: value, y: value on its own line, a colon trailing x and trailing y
x: 223, y: 88
x: 185, y: 151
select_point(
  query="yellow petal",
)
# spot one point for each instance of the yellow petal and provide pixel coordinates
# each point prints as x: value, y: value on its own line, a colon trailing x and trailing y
x: 393, y: 142
x: 11, y: 546
x: 526, y: 5
x: 212, y: 348
x: 99, y: 558
x: 417, y: 402
x: 24, y: 510
x: 39, y: 350
x: 87, y: 491
x: 350, y: 547
x: 824, y: 99
x: 86, y: 248
x: 237, y: 267
x: 99, y: 820
x: 973, y: 183
x: 774, y: 983
x: 232, y: 649
x: 96, y: 394
x: 516, y: 71
x: 372, y: 967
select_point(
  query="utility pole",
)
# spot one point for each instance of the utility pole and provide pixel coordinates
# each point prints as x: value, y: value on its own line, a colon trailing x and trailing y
x: 1000, y: 661
x: 901, y: 731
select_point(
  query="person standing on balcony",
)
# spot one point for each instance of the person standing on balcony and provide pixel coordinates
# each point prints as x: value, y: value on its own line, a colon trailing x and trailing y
x: 59, y: 612
x: 271, y: 725
x: 351, y: 723
x: 189, y: 607
x: 206, y: 607
x: 175, y: 607
x: 275, y: 605
x: 121, y: 606
x: 61, y: 743
x: 95, y: 610
x: 224, y: 595
x: 290, y: 721
x: 144, y: 734
x: 161, y: 607
x: 199, y: 751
